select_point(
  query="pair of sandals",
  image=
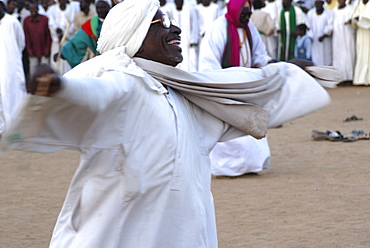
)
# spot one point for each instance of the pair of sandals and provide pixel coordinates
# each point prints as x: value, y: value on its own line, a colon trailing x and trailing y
x: 332, y: 136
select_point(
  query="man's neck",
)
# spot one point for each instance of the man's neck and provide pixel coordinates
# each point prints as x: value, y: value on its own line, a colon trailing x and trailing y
x: 35, y: 18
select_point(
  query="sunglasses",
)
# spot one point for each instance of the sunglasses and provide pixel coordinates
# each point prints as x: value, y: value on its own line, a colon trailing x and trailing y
x: 165, y: 21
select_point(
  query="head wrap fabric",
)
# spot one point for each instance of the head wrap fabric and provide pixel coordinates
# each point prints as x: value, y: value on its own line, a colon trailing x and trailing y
x: 127, y: 25
x: 231, y: 52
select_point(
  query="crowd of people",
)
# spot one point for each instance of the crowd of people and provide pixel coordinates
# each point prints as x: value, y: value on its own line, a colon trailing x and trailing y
x: 311, y: 30
x: 48, y: 26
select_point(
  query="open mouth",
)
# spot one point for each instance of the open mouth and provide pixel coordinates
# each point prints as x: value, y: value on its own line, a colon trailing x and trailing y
x: 174, y: 42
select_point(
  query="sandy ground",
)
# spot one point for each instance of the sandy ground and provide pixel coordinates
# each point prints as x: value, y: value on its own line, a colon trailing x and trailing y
x: 315, y: 194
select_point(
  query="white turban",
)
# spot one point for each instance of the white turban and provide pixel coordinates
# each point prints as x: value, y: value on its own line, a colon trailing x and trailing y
x: 126, y: 25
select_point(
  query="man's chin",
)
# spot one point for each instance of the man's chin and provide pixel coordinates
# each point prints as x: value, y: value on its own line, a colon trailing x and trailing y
x: 175, y: 60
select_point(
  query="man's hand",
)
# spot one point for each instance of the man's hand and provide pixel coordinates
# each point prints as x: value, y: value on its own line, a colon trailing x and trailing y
x: 59, y: 33
x: 321, y: 38
x: 293, y: 34
x: 55, y: 57
x: 44, y: 82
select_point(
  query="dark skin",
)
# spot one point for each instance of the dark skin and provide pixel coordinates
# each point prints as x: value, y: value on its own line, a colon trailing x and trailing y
x: 85, y: 6
x: 12, y: 6
x: 245, y: 15
x: 341, y: 4
x: 160, y: 44
x: 206, y: 3
x: 2, y: 10
x: 179, y: 4
x: 102, y: 9
x: 258, y: 4
x: 319, y: 5
x: 287, y: 4
x: 44, y: 4
x: 34, y: 9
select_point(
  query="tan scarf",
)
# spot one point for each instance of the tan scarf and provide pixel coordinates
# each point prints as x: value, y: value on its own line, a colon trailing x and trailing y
x: 236, y: 103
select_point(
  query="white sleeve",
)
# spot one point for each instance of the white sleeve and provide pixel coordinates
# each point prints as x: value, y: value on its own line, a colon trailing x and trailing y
x: 328, y: 29
x: 96, y: 93
x: 21, y: 41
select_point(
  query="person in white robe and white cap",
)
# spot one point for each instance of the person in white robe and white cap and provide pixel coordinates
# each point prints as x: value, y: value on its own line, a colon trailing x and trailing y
x: 12, y: 78
x: 145, y: 130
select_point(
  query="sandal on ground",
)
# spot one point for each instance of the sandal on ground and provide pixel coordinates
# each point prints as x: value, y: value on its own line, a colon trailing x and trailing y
x: 349, y: 138
x: 337, y: 136
x: 353, y: 118
x: 318, y: 135
x: 359, y: 134
x: 248, y: 174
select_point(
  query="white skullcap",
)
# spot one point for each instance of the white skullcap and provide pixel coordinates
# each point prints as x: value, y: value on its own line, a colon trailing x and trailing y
x: 109, y: 2
x: 126, y: 25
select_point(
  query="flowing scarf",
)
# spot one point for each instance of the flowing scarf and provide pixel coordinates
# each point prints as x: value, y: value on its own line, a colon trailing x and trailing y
x: 236, y: 103
x: 231, y: 55
x: 284, y: 34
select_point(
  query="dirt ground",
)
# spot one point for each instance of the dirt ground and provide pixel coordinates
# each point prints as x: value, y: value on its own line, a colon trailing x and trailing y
x: 315, y: 194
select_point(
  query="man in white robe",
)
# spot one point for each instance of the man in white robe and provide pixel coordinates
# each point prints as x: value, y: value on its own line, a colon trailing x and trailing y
x: 273, y: 7
x: 244, y: 154
x: 361, y: 20
x: 12, y: 79
x: 344, y: 42
x: 320, y: 29
x: 187, y: 19
x: 286, y: 28
x: 207, y: 12
x: 168, y: 7
x: 211, y: 52
x: 145, y: 130
x: 61, y: 18
x: 264, y: 24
